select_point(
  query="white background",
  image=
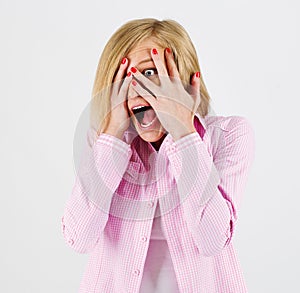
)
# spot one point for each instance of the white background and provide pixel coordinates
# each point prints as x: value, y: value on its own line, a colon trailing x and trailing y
x: 249, y: 57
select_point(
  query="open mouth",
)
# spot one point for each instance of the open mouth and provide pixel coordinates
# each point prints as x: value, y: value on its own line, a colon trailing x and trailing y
x: 145, y: 115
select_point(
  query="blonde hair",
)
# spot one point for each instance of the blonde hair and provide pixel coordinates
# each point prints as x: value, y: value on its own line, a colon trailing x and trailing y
x: 166, y: 33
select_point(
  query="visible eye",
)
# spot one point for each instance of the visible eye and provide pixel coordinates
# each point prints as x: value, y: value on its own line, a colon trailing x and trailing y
x: 149, y: 72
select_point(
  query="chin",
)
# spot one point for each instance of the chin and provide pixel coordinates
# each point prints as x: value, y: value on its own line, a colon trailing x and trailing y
x: 155, y: 134
x: 152, y: 136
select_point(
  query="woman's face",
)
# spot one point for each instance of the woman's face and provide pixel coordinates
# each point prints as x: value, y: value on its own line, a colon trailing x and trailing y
x: 143, y: 116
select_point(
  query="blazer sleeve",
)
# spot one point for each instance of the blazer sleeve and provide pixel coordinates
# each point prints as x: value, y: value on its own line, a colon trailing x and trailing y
x: 210, y: 186
x: 86, y: 212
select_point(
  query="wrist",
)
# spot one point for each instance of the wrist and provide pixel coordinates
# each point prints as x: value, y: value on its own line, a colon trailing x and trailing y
x: 180, y: 133
x: 118, y: 133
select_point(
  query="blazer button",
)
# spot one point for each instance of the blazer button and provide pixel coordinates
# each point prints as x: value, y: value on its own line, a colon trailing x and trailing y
x: 150, y: 204
x: 172, y: 148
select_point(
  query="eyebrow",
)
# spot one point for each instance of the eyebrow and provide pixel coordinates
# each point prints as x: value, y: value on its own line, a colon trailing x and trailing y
x: 145, y: 61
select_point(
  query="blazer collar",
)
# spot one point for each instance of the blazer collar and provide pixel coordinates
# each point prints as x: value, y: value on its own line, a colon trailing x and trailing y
x: 201, y: 119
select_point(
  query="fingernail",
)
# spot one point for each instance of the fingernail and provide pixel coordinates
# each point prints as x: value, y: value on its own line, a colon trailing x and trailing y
x: 154, y: 51
x: 124, y: 60
x: 133, y: 69
x: 134, y: 83
x: 168, y: 50
x: 198, y: 74
x: 128, y: 74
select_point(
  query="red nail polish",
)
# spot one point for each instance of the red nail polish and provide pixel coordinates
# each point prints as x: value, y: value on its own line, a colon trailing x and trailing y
x: 168, y: 50
x: 198, y: 74
x: 123, y: 60
x: 128, y: 74
x: 154, y: 51
x: 134, y: 82
x: 133, y: 69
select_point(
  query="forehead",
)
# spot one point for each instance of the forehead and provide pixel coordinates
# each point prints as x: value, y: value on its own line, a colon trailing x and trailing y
x: 143, y: 48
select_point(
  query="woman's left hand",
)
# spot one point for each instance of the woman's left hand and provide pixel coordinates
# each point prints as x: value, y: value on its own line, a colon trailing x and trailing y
x: 173, y: 105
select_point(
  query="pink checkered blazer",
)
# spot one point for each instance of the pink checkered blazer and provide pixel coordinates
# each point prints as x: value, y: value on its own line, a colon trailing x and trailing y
x: 196, y: 183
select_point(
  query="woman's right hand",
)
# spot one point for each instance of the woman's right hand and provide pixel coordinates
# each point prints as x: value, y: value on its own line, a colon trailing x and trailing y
x: 119, y: 119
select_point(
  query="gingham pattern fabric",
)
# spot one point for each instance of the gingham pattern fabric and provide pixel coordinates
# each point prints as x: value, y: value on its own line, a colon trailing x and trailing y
x: 198, y: 182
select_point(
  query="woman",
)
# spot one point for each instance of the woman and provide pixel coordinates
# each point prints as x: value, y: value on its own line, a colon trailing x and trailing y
x: 156, y: 197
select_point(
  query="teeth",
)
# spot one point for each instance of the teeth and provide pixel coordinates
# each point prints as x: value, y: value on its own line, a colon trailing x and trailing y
x: 138, y: 107
x: 139, y: 112
x: 149, y: 124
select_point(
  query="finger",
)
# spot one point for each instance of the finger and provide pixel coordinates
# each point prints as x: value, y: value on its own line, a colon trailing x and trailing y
x: 119, y: 76
x: 195, y: 89
x: 146, y: 82
x: 119, y: 98
x: 122, y: 95
x: 171, y: 65
x: 122, y: 70
x: 159, y: 64
x: 144, y: 93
